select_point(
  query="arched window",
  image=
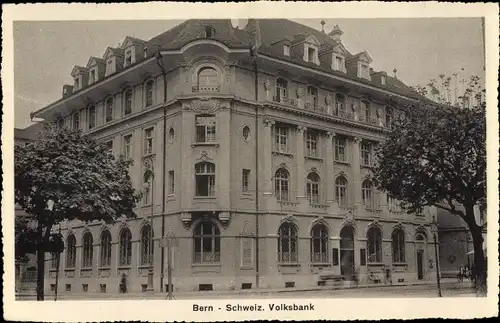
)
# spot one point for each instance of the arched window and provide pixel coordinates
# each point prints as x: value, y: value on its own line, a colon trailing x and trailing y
x: 312, y: 97
x: 420, y: 237
x: 125, y: 247
x: 287, y: 243
x: 281, y: 90
x: 149, y: 89
x: 398, y: 246
x: 205, y: 179
x: 313, y: 188
x: 374, y: 244
x: 339, y: 105
x: 147, y: 185
x: 367, y: 194
x: 347, y: 251
x: 105, y: 249
x: 206, y: 243
x: 88, y: 250
x: 319, y: 243
x: 246, y: 133
x: 171, y: 134
x: 208, y: 80
x: 281, y: 184
x: 147, y: 247
x: 127, y: 102
x: 109, y: 109
x: 71, y: 251
x: 341, y: 191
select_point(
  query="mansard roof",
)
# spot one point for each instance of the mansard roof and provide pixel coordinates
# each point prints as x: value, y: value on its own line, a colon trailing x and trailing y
x: 80, y: 69
x: 112, y: 51
x: 95, y: 61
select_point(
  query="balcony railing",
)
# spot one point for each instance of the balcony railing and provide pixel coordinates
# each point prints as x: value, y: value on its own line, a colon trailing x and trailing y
x: 312, y: 107
x: 285, y: 101
x: 206, y: 89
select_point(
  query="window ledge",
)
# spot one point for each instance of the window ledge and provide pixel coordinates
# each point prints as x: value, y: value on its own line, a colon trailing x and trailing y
x: 320, y: 264
x: 318, y: 205
x: 69, y: 269
x: 124, y: 267
x: 400, y: 264
x: 204, y: 197
x: 275, y: 152
x: 375, y: 264
x: 203, y: 144
x: 314, y: 158
x: 105, y: 268
x: 86, y: 269
x: 343, y: 162
x: 144, y: 266
x: 206, y: 265
x: 53, y: 269
x: 289, y: 264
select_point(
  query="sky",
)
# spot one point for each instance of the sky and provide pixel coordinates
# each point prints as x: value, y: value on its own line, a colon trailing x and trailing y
x: 419, y: 48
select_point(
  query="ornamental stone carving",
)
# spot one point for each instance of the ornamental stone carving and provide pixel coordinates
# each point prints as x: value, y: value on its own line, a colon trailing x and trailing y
x: 300, y: 92
x: 328, y: 100
x: 301, y: 129
x: 268, y: 122
x: 267, y: 85
x: 205, y: 105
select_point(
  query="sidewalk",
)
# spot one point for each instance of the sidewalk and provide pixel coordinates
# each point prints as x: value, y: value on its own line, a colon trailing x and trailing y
x: 216, y: 294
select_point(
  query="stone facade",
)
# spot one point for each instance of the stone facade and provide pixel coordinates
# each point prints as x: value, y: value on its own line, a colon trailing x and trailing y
x: 261, y: 176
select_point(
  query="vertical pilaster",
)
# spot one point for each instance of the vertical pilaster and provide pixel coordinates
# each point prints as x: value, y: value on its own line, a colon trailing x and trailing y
x: 187, y: 168
x: 356, y: 170
x: 329, y: 167
x: 266, y: 158
x: 299, y: 162
x: 224, y: 160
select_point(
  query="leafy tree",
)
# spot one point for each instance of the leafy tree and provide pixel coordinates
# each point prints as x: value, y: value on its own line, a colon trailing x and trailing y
x: 67, y: 176
x: 436, y: 156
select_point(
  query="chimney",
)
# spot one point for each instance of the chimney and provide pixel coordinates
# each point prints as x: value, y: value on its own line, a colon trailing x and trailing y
x: 322, y: 25
x: 336, y: 33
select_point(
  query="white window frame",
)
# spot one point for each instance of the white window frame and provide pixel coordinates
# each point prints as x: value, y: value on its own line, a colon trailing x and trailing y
x: 109, y: 109
x: 149, y: 141
x: 281, y: 138
x: 342, y: 191
x: 89, y: 123
x: 312, y: 188
x: 127, y: 147
x: 282, y: 185
x: 205, y: 169
x: 131, y: 90
x: 312, y: 144
x: 208, y: 128
x: 286, y: 49
x: 366, y: 153
x: 340, y: 145
x: 148, y: 104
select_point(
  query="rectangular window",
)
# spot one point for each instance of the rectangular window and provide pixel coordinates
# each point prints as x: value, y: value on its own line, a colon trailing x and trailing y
x: 339, y: 63
x: 205, y: 179
x: 85, y: 287
x: 54, y: 256
x: 76, y: 121
x: 366, y: 157
x: 127, y: 146
x: 109, y: 145
x: 286, y: 50
x: 311, y: 55
x: 245, y: 179
x: 127, y: 102
x: 68, y: 287
x: 171, y: 182
x: 92, y: 117
x: 92, y: 76
x: 205, y: 129
x: 77, y: 83
x: 312, y: 144
x: 281, y: 138
x: 362, y: 256
x: 382, y: 80
x: 103, y: 288
x: 335, y: 257
x: 148, y: 141
x: 110, y: 66
x: 340, y: 149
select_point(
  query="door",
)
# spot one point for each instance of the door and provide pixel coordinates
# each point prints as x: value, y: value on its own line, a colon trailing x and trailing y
x: 420, y: 264
x: 347, y: 263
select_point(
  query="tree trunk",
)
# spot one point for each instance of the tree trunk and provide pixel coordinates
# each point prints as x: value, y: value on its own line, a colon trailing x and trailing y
x: 40, y: 262
x: 479, y: 265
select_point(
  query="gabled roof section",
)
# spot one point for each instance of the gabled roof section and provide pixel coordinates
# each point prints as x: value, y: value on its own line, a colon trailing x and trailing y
x: 312, y: 40
x: 362, y: 56
x: 78, y: 69
x: 112, y: 51
x: 29, y: 133
x: 131, y: 41
x: 95, y: 61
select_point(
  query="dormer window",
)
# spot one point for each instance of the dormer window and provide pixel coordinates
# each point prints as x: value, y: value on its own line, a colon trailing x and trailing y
x: 383, y: 80
x: 93, y: 76
x: 286, y: 50
x: 110, y: 66
x: 311, y: 54
x: 145, y: 51
x: 364, y: 71
x: 209, y: 32
x: 339, y: 63
x: 77, y: 82
x: 128, y: 58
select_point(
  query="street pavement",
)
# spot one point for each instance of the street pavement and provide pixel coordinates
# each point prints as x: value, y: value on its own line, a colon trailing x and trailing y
x: 449, y: 289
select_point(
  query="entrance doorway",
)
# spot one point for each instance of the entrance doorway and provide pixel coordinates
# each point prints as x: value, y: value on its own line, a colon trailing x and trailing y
x: 420, y: 264
x: 347, y: 252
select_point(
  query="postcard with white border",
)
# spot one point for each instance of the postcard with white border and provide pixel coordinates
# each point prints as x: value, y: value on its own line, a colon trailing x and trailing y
x: 250, y: 161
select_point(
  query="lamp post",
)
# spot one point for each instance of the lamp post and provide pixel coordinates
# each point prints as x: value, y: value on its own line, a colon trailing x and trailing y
x: 434, y: 229
x: 149, y: 165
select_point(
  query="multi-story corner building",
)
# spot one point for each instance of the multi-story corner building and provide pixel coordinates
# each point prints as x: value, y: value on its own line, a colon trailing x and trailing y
x: 261, y: 140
